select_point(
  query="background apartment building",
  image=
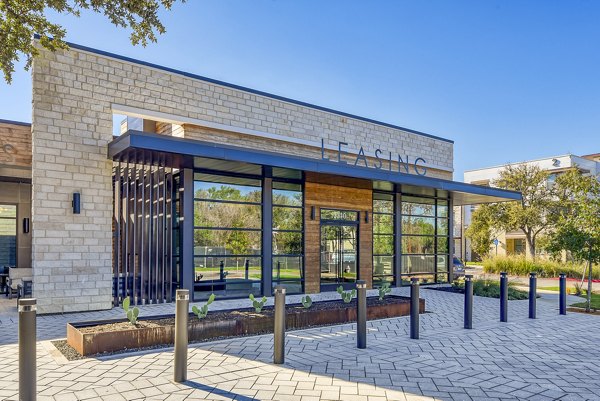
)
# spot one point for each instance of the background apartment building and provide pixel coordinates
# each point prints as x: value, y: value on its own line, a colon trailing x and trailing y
x: 512, y: 242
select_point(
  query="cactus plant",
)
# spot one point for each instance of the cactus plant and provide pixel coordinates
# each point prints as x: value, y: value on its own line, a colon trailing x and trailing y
x: 132, y: 313
x: 306, y: 302
x: 384, y: 290
x: 258, y: 305
x: 203, y: 311
x: 346, y: 295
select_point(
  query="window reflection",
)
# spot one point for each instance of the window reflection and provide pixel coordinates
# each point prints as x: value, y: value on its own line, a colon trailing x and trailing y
x: 227, y: 236
x: 288, y: 236
x: 424, y: 237
x: 8, y: 235
x: 383, y: 238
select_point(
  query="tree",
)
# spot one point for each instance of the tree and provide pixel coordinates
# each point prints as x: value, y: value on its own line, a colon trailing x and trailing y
x: 20, y: 20
x: 578, y: 217
x: 480, y: 230
x: 534, y: 214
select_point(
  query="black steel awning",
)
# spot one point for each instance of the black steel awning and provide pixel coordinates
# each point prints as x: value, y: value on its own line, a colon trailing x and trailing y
x: 143, y: 147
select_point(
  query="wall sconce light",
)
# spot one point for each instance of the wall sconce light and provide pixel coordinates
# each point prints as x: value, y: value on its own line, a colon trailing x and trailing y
x: 313, y: 212
x: 26, y: 225
x: 366, y: 216
x: 76, y: 203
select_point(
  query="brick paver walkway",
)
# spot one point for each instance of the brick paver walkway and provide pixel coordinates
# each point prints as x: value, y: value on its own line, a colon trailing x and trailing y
x: 552, y: 357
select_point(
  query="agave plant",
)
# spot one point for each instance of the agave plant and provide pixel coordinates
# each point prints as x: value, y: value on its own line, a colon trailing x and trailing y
x: 132, y: 313
x: 346, y: 295
x: 306, y: 302
x: 384, y: 290
x: 258, y: 305
x: 203, y: 311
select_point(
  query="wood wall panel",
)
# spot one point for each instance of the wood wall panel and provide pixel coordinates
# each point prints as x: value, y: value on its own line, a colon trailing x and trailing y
x: 320, y: 191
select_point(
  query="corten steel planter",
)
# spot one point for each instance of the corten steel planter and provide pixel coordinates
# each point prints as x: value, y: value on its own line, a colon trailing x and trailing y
x: 240, y: 322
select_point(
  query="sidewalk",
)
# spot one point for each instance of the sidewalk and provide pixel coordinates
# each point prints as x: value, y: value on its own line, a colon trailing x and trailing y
x: 540, y: 359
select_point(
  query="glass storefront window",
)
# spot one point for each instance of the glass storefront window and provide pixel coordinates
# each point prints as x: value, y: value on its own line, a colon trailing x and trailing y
x: 287, y: 218
x: 287, y: 243
x: 418, y: 225
x: 418, y: 206
x: 425, y: 238
x: 383, y: 238
x: 288, y: 236
x: 226, y: 214
x: 8, y: 235
x: 227, y: 236
x: 418, y: 244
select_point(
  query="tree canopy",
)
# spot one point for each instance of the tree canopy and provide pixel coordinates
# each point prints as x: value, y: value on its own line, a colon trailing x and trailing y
x: 565, y: 210
x: 20, y: 20
x: 578, y: 221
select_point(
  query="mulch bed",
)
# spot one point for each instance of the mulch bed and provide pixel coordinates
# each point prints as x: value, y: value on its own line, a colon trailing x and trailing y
x: 448, y: 289
x: 243, y: 313
x: 71, y: 354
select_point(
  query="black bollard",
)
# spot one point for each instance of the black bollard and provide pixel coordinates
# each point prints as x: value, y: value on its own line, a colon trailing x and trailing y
x: 361, y: 314
x: 414, y: 308
x: 279, y: 329
x: 182, y: 304
x: 562, y: 298
x: 532, y: 294
x: 503, y: 297
x: 468, y: 301
x: 27, y: 349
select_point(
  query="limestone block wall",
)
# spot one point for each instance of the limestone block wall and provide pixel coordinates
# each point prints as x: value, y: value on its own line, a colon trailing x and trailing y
x: 74, y: 95
x: 284, y: 147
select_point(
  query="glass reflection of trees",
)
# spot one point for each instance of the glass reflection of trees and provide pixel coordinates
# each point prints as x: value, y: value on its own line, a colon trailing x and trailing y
x: 288, y: 238
x: 424, y: 235
x: 383, y: 238
x: 227, y: 234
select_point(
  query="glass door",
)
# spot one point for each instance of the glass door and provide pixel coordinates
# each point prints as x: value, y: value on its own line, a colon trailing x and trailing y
x: 339, y: 258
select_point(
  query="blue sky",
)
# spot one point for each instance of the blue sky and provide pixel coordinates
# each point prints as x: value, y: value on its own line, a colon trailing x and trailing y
x: 506, y: 80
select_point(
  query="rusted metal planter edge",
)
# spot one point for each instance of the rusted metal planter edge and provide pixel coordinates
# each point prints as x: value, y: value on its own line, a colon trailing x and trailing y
x: 201, y: 330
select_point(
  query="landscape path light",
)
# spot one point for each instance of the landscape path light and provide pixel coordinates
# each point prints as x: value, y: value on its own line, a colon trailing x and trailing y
x: 414, y: 308
x: 27, y: 349
x: 279, y: 329
x: 468, y: 301
x: 562, y: 298
x: 532, y: 295
x: 361, y: 314
x: 182, y: 300
x: 503, y: 297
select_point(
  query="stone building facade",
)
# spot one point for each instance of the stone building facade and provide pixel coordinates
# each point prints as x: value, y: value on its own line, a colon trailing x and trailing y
x: 75, y: 257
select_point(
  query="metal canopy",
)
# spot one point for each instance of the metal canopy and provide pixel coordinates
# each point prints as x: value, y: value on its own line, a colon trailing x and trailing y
x: 137, y: 145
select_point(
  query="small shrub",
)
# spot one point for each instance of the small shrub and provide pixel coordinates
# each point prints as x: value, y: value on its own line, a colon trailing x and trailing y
x: 384, y: 290
x: 458, y: 283
x: 203, y: 311
x: 578, y: 289
x: 132, y: 313
x: 346, y: 295
x: 306, y: 301
x: 258, y: 305
x: 491, y: 289
x: 521, y: 266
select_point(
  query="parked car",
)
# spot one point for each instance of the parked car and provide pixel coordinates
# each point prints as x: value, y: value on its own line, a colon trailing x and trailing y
x: 458, y: 267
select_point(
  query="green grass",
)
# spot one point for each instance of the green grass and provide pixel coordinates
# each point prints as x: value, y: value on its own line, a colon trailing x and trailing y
x: 595, y: 304
x: 254, y: 272
x: 474, y: 263
x: 491, y: 289
x: 550, y: 289
x: 520, y: 266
